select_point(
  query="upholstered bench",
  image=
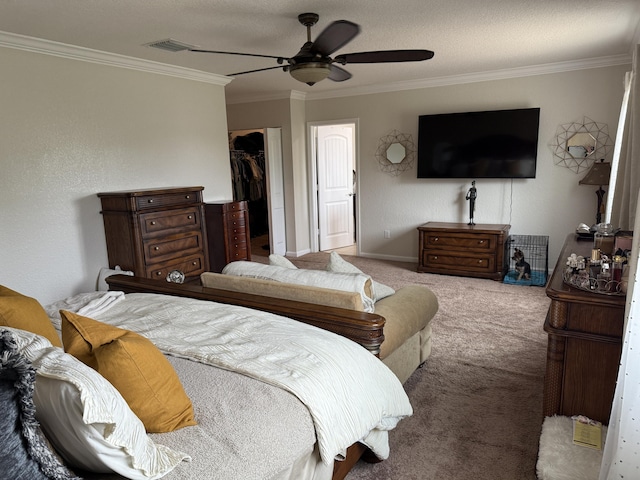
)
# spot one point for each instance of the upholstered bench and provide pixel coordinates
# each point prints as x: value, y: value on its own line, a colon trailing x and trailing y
x: 407, y: 312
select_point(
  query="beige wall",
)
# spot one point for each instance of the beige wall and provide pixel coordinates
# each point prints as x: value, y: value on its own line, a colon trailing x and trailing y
x: 71, y: 129
x: 552, y: 204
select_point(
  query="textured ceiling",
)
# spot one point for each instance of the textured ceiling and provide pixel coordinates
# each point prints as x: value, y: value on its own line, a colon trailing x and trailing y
x: 468, y: 36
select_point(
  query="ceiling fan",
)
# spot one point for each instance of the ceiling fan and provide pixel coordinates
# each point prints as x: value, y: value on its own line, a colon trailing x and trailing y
x: 313, y: 62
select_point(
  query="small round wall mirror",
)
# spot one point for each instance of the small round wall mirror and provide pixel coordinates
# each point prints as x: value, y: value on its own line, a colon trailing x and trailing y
x: 581, y: 145
x: 396, y: 153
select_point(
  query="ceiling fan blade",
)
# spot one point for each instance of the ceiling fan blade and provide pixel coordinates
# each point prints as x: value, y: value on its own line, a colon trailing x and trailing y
x: 335, y: 36
x: 384, y: 56
x: 257, y: 70
x: 198, y: 50
x: 338, y: 74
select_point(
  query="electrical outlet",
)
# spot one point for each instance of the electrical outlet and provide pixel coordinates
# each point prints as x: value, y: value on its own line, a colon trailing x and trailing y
x: 387, y: 234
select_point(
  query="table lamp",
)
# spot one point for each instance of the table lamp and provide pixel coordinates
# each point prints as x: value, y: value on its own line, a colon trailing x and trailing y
x: 598, y: 175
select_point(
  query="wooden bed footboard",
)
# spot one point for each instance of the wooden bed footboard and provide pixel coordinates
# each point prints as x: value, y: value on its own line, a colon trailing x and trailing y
x: 361, y: 327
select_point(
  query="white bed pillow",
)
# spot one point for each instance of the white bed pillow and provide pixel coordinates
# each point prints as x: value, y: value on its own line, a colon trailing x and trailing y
x: 281, y: 261
x: 339, y: 264
x: 103, y: 286
x: 85, y: 418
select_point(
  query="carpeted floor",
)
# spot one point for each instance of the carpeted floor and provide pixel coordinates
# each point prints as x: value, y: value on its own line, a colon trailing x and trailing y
x: 478, y: 399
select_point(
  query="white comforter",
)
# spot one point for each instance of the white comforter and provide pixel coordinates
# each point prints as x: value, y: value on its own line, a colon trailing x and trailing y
x: 351, y: 395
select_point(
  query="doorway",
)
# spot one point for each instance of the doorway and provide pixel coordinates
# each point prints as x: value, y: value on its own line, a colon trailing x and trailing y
x: 333, y: 177
x: 257, y: 177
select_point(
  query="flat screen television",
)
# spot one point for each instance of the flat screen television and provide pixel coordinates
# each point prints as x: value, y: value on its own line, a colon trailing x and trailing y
x: 489, y: 144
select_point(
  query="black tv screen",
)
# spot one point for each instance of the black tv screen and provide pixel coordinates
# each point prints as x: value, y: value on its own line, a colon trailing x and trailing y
x: 490, y: 144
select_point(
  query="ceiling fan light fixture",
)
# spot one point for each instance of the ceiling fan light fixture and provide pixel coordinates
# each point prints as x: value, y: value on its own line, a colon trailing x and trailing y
x: 310, y: 72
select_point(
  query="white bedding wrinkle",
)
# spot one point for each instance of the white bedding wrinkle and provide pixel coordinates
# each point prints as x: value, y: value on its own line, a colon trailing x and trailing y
x: 351, y: 395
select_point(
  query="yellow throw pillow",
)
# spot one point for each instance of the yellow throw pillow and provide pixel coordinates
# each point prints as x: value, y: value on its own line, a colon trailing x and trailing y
x: 26, y: 313
x: 138, y: 370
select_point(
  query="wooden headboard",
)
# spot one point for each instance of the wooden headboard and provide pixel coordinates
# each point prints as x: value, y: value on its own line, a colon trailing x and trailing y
x: 360, y: 327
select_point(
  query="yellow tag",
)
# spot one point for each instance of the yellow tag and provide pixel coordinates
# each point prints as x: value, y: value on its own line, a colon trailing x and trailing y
x: 587, y: 433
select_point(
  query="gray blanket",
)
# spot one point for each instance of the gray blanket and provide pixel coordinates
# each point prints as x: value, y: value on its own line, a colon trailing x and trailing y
x: 246, y: 429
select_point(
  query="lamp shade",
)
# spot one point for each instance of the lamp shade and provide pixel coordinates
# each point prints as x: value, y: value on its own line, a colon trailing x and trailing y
x: 310, y: 73
x: 598, y: 174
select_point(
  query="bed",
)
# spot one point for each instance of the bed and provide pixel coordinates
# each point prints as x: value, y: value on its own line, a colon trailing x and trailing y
x: 258, y: 416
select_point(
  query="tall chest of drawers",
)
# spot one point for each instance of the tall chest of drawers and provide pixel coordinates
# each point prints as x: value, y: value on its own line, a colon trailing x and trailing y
x: 227, y: 233
x: 152, y: 232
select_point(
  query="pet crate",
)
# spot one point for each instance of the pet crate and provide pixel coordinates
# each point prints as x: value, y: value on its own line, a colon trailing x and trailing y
x: 527, y: 259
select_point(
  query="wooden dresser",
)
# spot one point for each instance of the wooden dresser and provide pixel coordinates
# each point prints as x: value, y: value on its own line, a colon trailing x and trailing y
x: 155, y: 231
x: 227, y: 233
x: 461, y: 249
x: 584, y: 346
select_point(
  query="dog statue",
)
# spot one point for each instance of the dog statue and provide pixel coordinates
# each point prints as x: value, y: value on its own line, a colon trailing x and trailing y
x: 522, y: 267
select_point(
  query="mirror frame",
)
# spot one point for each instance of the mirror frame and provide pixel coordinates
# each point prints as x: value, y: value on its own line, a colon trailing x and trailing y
x: 567, y: 158
x: 388, y: 153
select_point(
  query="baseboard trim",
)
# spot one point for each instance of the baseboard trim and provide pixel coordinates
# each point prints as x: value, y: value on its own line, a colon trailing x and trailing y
x: 393, y: 258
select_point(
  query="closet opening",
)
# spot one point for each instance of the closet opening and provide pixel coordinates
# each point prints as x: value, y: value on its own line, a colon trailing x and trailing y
x: 256, y: 174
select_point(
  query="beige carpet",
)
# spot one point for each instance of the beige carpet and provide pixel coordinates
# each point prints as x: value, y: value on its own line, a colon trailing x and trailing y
x: 478, y: 399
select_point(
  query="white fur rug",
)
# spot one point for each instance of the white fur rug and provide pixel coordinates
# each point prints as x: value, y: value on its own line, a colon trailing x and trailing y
x: 560, y: 459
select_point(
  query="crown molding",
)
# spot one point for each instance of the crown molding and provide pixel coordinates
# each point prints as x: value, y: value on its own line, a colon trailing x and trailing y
x: 285, y: 95
x: 517, y: 72
x: 543, y: 69
x: 48, y: 47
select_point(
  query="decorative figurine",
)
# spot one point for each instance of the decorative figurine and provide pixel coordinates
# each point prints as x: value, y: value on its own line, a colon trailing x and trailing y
x: 471, y: 196
x: 175, y: 276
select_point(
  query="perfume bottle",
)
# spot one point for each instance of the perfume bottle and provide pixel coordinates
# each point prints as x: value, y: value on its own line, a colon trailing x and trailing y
x: 616, y: 269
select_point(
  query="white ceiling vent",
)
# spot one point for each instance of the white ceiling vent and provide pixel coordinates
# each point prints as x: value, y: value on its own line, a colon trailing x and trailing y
x: 170, y: 45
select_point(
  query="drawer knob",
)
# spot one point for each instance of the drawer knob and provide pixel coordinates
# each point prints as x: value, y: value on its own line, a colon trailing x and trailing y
x: 479, y: 261
x: 194, y: 263
x: 153, y: 223
x: 187, y: 197
x: 435, y: 258
x: 156, y: 248
x: 150, y: 200
x: 436, y: 239
x: 189, y: 217
x: 480, y: 242
x: 159, y: 273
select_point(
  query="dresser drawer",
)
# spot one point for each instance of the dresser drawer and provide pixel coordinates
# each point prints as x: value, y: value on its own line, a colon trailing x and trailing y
x: 459, y: 261
x: 478, y: 242
x: 191, y: 266
x: 146, y: 202
x: 238, y: 251
x: 235, y: 220
x: 234, y: 207
x: 157, y: 250
x: 237, y: 235
x: 170, y: 220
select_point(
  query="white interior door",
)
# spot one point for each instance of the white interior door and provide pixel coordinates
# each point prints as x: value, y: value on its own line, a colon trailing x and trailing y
x: 275, y: 190
x: 335, y: 163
